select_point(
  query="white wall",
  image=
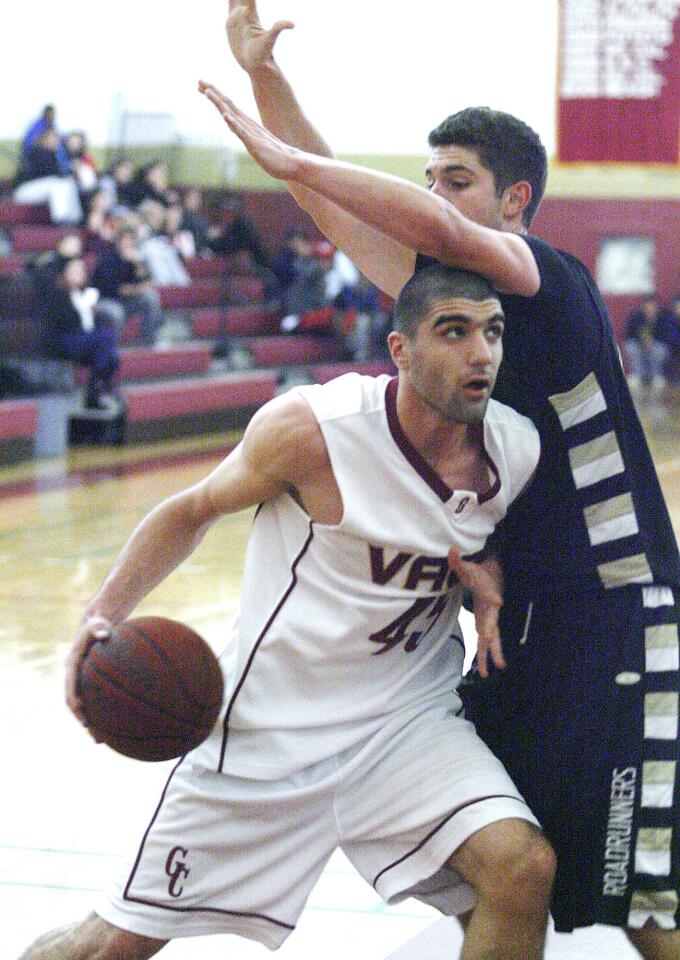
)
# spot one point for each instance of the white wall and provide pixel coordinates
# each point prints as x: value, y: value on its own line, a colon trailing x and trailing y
x: 374, y: 75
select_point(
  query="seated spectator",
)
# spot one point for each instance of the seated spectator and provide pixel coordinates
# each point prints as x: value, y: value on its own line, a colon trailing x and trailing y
x: 296, y: 247
x: 236, y: 233
x: 46, y: 267
x: 645, y: 352
x: 196, y: 223
x: 670, y: 334
x: 100, y: 224
x: 46, y: 121
x: 116, y: 182
x: 301, y: 276
x: 363, y: 325
x: 43, y: 178
x: 82, y: 163
x: 160, y: 255
x: 121, y: 275
x: 150, y: 182
x: 180, y: 237
x: 80, y: 328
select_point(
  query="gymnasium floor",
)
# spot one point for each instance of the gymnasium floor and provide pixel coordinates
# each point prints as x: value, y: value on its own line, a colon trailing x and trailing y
x: 67, y: 805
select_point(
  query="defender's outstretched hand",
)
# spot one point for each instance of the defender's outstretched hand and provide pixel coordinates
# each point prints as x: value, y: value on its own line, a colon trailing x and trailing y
x: 484, y: 581
x: 250, y: 43
x: 275, y: 157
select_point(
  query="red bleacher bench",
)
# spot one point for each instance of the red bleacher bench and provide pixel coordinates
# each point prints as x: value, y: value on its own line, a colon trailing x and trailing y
x: 18, y: 427
x: 11, y: 265
x: 174, y: 408
x: 202, y: 267
x: 237, y: 321
x: 23, y: 213
x: 152, y: 401
x: 37, y: 239
x: 208, y: 323
x: 284, y: 350
x: 18, y: 418
x: 209, y: 292
x: 247, y: 289
x: 139, y: 363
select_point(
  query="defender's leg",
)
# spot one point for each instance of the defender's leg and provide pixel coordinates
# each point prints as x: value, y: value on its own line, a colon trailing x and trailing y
x: 655, y: 943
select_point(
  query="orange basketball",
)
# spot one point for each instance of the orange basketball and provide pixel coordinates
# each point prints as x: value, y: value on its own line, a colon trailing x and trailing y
x: 152, y: 691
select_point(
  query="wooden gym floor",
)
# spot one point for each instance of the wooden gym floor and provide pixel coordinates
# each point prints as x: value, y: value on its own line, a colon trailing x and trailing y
x: 69, y: 807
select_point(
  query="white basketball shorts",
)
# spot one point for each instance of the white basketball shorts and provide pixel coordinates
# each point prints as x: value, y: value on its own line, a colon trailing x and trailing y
x: 223, y: 854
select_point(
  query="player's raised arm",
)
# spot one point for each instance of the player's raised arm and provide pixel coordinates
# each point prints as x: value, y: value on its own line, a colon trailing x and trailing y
x: 387, y: 263
x: 253, y: 48
x: 266, y: 463
x: 417, y: 219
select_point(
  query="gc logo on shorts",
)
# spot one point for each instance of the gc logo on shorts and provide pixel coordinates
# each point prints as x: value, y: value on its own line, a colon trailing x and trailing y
x: 176, y: 869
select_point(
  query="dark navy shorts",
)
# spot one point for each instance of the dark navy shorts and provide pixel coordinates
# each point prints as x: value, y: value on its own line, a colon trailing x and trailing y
x: 585, y: 720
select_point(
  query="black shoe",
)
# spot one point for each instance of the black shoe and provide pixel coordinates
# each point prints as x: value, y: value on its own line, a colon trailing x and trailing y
x: 94, y: 401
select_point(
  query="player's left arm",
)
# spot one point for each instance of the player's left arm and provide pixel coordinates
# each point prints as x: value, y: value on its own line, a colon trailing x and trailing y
x: 403, y: 211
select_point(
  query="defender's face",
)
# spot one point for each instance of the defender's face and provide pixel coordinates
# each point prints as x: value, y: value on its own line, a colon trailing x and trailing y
x: 453, y: 361
x: 455, y: 174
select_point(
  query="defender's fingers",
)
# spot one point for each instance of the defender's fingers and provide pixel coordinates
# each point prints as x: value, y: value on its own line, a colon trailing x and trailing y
x: 497, y: 654
x: 205, y: 87
x: 467, y: 572
x: 490, y: 646
x: 279, y: 27
x: 482, y: 662
x: 248, y: 4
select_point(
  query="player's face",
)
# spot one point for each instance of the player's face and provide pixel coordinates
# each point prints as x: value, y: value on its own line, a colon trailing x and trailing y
x: 453, y: 361
x: 456, y: 174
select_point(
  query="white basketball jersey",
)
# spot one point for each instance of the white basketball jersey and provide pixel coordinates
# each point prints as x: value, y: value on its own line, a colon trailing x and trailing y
x: 343, y: 627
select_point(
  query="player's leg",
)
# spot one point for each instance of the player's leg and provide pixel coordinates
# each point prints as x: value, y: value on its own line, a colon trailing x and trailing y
x: 511, y: 867
x: 655, y: 943
x: 92, y: 939
x: 427, y: 789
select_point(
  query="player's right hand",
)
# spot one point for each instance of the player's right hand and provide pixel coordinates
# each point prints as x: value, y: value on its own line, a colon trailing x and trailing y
x: 251, y: 45
x: 91, y: 630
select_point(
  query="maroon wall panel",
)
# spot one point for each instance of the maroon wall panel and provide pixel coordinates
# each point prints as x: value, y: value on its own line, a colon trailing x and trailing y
x: 579, y: 225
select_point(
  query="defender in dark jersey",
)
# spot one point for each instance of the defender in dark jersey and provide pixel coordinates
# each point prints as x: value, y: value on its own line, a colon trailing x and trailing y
x: 585, y: 715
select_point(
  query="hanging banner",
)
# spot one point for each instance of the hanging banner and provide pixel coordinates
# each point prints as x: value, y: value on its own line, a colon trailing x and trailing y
x: 619, y: 81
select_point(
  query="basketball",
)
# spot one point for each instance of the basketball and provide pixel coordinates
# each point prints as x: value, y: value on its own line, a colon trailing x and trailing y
x: 152, y: 691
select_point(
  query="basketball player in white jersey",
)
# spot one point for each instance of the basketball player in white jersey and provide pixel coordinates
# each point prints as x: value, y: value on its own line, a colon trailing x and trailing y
x: 341, y: 724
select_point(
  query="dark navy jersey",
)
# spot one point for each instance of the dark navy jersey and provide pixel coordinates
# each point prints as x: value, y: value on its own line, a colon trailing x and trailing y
x: 595, y: 511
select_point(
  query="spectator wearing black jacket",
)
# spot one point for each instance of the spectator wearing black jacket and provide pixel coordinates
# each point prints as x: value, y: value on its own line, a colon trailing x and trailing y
x: 44, y: 177
x: 121, y: 275
x: 644, y: 348
x: 78, y: 327
x: 150, y: 182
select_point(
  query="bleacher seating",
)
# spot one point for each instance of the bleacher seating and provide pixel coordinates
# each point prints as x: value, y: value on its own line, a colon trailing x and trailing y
x: 292, y: 350
x: 37, y: 239
x: 18, y: 427
x: 178, y: 387
x: 158, y: 410
x: 148, y: 363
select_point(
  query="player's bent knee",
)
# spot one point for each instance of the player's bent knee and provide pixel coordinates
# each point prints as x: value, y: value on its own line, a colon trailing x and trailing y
x: 510, y: 862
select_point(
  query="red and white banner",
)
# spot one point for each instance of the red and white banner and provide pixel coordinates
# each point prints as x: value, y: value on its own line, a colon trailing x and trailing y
x: 619, y: 81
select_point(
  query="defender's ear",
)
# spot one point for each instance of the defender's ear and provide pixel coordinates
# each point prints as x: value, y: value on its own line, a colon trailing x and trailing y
x: 516, y: 198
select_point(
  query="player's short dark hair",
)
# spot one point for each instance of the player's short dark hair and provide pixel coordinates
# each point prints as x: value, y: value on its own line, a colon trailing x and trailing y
x: 433, y: 282
x: 506, y: 146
